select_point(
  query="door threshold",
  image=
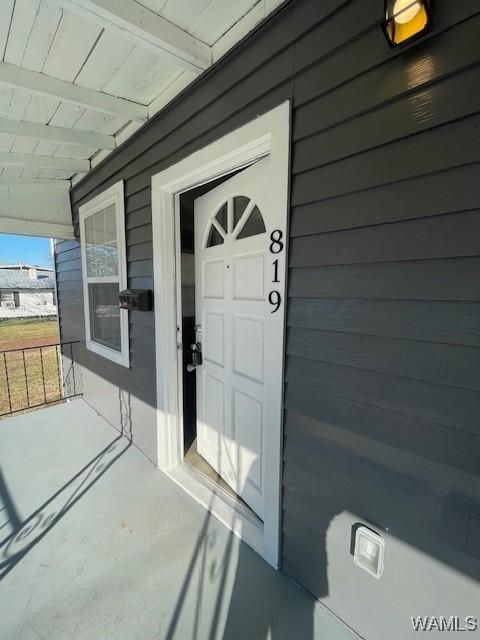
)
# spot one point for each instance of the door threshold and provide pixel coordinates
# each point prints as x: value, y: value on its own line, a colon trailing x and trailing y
x: 200, y: 464
x: 236, y: 516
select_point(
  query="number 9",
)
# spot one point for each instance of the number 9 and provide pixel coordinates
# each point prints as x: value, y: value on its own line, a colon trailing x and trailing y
x: 275, y: 299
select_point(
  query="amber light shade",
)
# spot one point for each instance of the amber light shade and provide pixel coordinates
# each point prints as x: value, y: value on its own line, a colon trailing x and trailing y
x: 406, y: 20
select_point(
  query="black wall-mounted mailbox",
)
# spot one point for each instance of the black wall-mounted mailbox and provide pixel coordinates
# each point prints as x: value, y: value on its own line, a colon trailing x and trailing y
x: 136, y: 299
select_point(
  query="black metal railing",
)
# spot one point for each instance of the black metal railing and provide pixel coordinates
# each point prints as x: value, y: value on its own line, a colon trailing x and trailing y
x: 38, y: 376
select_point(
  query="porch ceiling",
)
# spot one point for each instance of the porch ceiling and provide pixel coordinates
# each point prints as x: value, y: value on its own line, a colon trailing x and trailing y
x: 78, y: 77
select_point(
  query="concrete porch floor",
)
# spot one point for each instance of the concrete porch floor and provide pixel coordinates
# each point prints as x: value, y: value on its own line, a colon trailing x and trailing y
x: 95, y: 543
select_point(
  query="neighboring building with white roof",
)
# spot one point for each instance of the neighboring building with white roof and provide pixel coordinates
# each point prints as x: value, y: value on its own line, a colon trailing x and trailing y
x: 26, y: 291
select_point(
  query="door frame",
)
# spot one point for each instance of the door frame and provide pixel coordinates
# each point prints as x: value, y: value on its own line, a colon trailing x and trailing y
x: 267, y: 135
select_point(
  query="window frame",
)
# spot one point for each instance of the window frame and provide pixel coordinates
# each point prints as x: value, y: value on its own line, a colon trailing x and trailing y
x: 113, y: 195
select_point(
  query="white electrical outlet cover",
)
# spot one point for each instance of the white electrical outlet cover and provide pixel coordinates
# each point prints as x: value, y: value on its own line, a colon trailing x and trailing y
x: 369, y: 553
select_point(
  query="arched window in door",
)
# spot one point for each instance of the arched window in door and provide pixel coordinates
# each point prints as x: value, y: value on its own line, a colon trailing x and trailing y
x: 245, y: 220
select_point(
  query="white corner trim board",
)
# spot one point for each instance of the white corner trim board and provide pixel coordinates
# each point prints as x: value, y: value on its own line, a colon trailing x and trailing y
x: 266, y: 136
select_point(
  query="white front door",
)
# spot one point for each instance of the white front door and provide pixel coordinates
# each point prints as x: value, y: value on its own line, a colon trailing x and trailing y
x: 239, y: 308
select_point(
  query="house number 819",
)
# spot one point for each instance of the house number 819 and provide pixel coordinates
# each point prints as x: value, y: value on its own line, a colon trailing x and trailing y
x: 276, y: 246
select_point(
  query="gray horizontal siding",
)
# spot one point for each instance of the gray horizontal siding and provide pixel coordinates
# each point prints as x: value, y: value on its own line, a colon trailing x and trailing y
x: 378, y: 87
x: 454, y: 407
x: 382, y: 354
x: 390, y: 356
x: 69, y: 292
x: 431, y: 321
x: 442, y: 279
x: 447, y: 236
x: 448, y: 145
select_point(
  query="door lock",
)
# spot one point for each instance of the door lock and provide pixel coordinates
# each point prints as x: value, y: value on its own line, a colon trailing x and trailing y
x: 196, y: 357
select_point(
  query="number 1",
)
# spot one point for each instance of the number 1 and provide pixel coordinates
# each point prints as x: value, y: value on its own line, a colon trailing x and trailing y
x: 275, y: 271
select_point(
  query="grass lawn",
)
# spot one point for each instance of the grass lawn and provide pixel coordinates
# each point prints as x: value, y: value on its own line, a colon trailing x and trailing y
x: 19, y: 334
x: 33, y: 374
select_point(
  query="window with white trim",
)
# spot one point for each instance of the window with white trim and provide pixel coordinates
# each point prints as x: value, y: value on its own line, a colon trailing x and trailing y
x: 104, y: 264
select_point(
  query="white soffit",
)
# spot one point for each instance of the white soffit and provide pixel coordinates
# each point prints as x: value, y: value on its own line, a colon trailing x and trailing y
x: 78, y: 77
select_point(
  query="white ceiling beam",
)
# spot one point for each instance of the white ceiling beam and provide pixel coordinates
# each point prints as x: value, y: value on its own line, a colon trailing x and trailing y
x: 35, y: 210
x: 54, y: 184
x: 44, y: 162
x: 145, y: 29
x: 24, y: 227
x: 41, y: 84
x: 56, y: 134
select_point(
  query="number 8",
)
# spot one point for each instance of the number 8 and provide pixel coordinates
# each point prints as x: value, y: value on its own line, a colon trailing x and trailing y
x: 276, y: 245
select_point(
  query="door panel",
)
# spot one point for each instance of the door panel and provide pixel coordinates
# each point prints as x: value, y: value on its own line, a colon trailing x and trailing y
x: 214, y: 337
x: 248, y: 346
x: 240, y: 328
x: 248, y: 277
x: 213, y: 278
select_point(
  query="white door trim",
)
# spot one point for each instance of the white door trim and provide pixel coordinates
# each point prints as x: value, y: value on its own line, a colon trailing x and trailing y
x: 268, y: 134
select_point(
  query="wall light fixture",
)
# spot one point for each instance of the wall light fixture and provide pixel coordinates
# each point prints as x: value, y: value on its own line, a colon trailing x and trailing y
x: 406, y: 19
